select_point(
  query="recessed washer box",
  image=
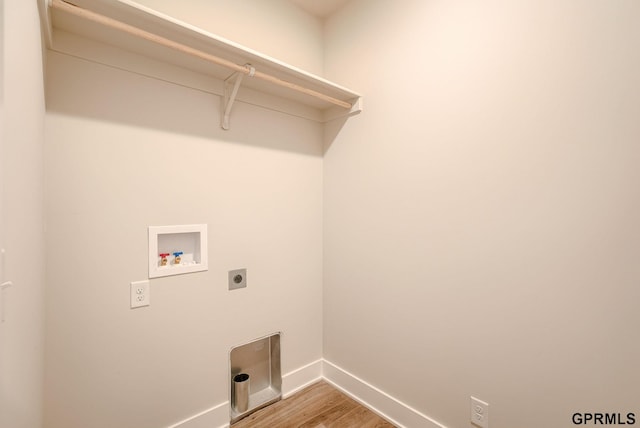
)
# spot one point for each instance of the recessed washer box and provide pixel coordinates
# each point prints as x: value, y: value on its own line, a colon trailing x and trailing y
x: 174, y: 250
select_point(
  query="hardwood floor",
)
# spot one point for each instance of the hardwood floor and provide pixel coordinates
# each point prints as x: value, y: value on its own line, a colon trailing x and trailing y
x: 317, y: 406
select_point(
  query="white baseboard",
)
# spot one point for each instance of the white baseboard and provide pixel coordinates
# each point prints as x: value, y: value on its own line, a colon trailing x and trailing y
x: 292, y: 382
x: 368, y: 395
x: 216, y: 416
x: 302, y: 377
x: 375, y: 399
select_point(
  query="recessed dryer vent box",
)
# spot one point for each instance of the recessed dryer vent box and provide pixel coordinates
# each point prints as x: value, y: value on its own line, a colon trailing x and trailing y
x: 175, y: 250
x: 260, y: 361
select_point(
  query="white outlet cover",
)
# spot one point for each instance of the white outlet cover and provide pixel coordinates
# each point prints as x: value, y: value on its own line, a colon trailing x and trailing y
x: 479, y: 413
x: 140, y: 294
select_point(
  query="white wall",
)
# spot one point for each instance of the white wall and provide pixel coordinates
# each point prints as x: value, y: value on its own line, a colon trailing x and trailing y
x: 21, y: 229
x: 123, y: 152
x: 276, y: 28
x: 481, y: 215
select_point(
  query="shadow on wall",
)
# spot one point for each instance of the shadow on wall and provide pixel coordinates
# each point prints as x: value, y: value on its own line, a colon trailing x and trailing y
x: 331, y: 131
x: 78, y: 87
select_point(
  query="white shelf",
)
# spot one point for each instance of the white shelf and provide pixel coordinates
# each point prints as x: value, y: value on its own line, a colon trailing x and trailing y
x: 130, y: 13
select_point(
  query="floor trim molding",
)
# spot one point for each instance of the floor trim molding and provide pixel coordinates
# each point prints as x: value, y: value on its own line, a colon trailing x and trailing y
x: 390, y: 408
x: 216, y: 416
x: 378, y: 401
x: 302, y: 377
x: 292, y: 382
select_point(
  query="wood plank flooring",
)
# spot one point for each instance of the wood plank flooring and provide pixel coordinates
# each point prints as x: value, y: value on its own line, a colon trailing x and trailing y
x: 317, y: 406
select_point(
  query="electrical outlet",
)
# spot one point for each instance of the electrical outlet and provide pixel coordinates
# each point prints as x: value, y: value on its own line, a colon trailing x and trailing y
x: 140, y: 294
x: 479, y: 413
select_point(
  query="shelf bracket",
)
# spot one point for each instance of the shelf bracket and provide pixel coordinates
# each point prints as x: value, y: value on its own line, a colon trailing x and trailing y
x: 231, y: 86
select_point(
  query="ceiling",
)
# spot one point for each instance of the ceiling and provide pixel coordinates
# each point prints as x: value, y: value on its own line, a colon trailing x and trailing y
x: 320, y: 8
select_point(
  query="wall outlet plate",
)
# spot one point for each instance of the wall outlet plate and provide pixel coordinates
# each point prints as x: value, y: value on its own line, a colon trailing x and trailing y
x: 479, y: 413
x: 140, y: 294
x: 237, y: 279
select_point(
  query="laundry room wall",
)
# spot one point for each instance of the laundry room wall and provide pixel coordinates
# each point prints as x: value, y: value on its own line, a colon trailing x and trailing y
x: 481, y: 233
x: 125, y: 151
x: 21, y: 215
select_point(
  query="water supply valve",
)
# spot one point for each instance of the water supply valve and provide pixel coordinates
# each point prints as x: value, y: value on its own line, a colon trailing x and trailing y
x: 163, y: 258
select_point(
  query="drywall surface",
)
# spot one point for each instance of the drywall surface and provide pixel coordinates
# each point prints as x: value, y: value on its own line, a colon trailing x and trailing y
x: 481, y: 231
x: 277, y: 28
x: 21, y: 229
x: 124, y: 152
